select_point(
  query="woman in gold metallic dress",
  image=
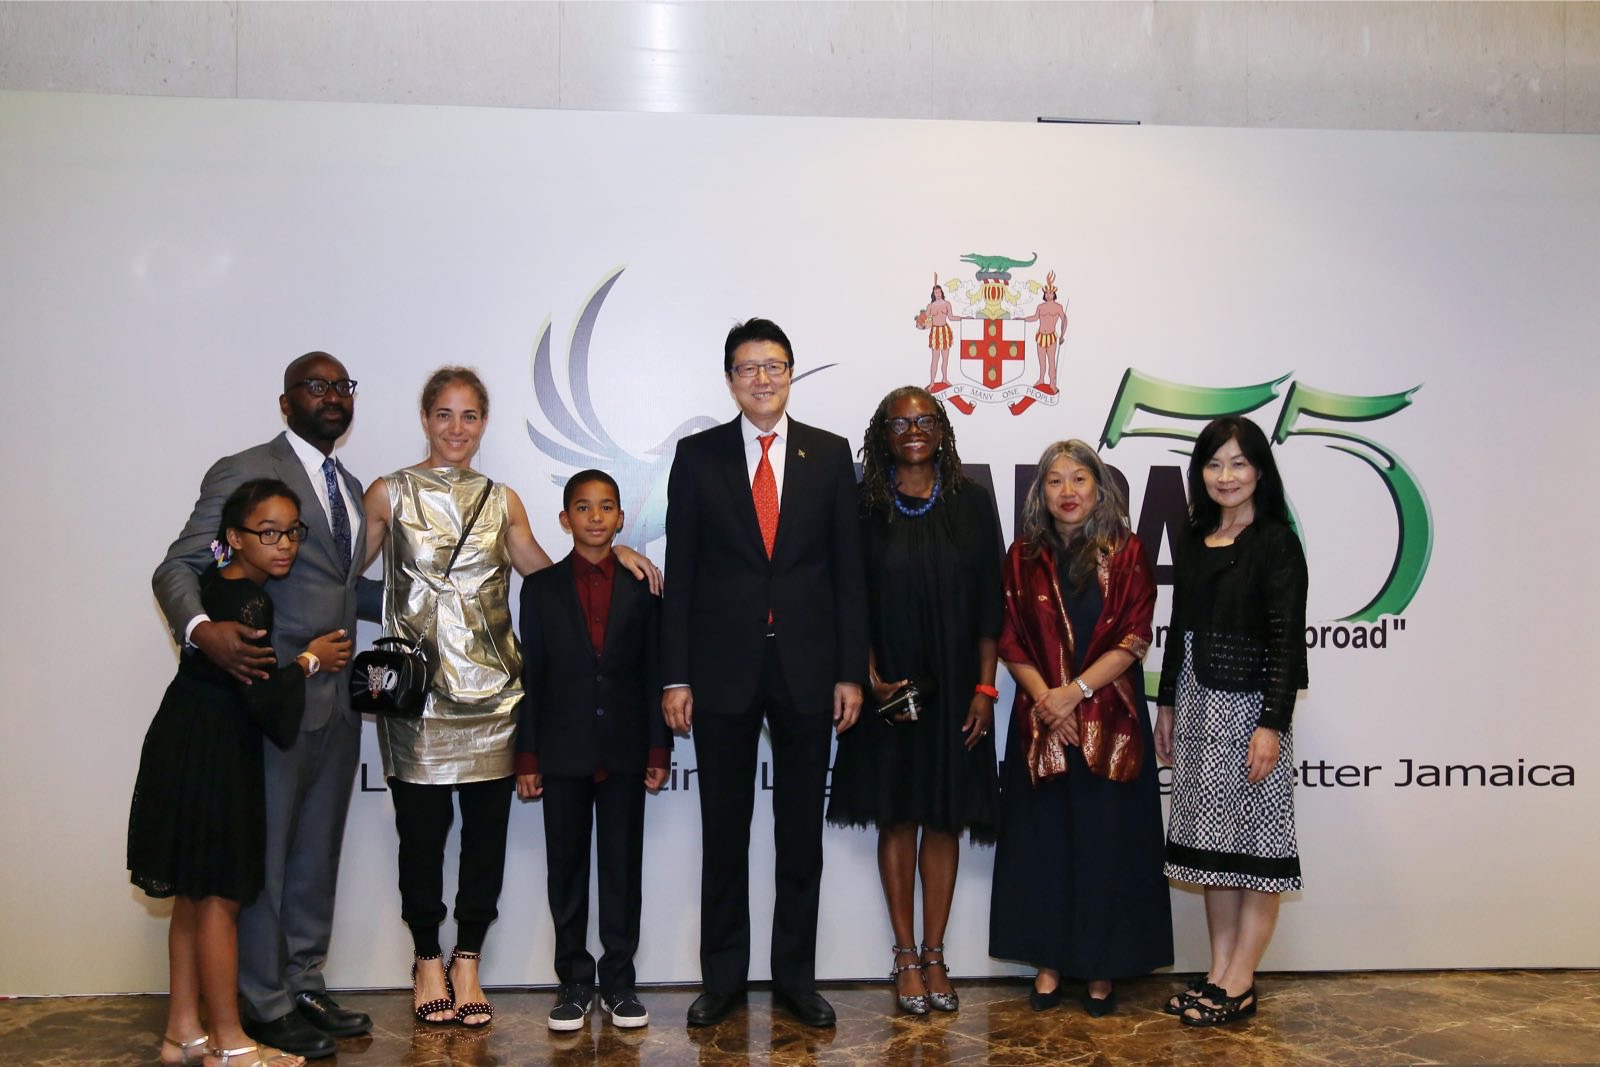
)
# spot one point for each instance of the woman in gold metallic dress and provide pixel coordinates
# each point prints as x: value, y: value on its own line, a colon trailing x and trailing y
x: 465, y: 739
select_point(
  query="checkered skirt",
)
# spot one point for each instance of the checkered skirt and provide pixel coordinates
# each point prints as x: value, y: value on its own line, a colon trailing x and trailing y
x: 1224, y: 831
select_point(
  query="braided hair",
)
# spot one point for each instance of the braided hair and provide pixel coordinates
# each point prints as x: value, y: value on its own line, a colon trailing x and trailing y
x: 877, y: 492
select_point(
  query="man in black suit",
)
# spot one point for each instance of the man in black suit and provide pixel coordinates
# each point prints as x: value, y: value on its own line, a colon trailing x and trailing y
x: 284, y: 934
x: 590, y: 740
x: 764, y: 618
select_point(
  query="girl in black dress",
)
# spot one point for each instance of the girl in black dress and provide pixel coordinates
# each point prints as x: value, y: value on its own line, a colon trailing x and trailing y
x: 197, y: 829
x: 932, y: 546
x: 1229, y: 680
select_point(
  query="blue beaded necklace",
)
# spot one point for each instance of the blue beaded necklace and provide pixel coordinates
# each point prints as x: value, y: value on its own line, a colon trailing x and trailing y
x: 920, y: 510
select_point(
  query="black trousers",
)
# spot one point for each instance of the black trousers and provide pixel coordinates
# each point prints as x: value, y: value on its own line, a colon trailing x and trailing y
x: 725, y: 748
x: 572, y: 806
x: 422, y: 815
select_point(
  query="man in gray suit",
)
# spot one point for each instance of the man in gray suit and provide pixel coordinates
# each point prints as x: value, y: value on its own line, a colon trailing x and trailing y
x: 283, y: 935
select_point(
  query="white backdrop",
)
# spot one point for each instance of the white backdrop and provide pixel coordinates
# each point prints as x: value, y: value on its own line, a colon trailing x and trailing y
x: 161, y: 260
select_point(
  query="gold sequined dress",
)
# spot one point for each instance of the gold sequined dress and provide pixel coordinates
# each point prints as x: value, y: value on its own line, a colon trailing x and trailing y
x: 467, y: 731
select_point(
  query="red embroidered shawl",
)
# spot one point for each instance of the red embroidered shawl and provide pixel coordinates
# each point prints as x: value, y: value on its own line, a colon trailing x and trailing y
x: 1036, y: 631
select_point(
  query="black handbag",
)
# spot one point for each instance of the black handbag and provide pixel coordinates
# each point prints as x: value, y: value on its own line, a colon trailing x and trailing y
x: 395, y: 681
x: 391, y: 681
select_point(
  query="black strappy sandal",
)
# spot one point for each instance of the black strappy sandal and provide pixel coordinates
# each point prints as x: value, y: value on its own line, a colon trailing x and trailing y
x: 1197, y: 986
x: 1221, y: 1011
x: 433, y: 1007
x: 471, y: 1007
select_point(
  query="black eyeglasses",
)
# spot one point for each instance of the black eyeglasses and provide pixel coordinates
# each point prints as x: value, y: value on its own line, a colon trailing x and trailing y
x: 775, y: 369
x: 320, y: 386
x: 925, y: 423
x: 295, y: 533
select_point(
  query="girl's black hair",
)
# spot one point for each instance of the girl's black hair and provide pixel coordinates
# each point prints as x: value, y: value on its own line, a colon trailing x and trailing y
x: 243, y: 500
x: 1205, y: 514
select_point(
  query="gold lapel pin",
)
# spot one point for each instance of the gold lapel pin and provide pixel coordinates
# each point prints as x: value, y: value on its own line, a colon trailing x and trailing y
x: 800, y: 452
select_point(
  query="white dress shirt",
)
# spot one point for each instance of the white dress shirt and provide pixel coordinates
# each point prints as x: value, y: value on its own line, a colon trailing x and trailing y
x: 777, y: 452
x: 312, y: 460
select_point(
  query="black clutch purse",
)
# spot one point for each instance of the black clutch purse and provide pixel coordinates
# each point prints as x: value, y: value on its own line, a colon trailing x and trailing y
x: 391, y: 681
x: 905, y: 706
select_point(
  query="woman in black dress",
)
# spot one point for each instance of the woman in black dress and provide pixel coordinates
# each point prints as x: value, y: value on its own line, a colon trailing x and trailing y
x: 197, y: 828
x: 1229, y: 680
x: 1078, y: 886
x: 932, y: 544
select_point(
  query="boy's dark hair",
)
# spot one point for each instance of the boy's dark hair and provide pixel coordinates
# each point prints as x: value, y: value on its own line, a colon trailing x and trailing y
x: 243, y: 500
x: 590, y: 475
x: 754, y: 330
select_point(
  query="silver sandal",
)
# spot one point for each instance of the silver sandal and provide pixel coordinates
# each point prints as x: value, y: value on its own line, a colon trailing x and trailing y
x: 227, y: 1054
x: 916, y: 1003
x: 941, y: 1001
x: 196, y: 1046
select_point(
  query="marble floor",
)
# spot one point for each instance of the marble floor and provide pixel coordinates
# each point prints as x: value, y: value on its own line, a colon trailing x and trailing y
x: 1448, y: 1017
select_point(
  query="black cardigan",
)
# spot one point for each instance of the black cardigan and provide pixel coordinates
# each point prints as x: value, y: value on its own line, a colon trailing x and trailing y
x: 1247, y: 611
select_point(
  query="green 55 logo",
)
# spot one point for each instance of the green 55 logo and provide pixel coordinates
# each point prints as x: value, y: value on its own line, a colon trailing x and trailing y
x: 1305, y: 412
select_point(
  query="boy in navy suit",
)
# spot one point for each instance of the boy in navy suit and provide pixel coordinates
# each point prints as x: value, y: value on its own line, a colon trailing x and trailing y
x: 590, y: 740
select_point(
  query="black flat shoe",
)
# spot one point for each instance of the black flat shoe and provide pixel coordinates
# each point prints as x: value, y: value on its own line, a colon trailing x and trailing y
x: 293, y: 1034
x: 1099, y: 1007
x: 323, y: 1012
x: 808, y: 1008
x: 709, y: 1009
x: 1044, y: 1001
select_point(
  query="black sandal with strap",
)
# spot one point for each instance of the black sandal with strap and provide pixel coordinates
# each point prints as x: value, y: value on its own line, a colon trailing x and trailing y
x: 471, y: 1007
x: 1196, y: 987
x: 1221, y: 1011
x: 433, y: 1007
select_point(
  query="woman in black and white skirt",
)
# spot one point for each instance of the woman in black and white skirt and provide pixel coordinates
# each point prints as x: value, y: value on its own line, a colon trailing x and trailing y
x: 1235, y: 661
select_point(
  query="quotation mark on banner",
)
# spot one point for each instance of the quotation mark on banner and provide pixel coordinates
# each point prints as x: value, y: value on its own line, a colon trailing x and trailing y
x: 1414, y: 541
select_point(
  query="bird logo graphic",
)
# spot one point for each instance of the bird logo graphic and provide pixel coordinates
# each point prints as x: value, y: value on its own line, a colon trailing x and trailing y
x: 580, y: 440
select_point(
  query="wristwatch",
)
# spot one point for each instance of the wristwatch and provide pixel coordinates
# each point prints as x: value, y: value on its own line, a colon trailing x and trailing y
x: 1087, y: 691
x: 310, y: 662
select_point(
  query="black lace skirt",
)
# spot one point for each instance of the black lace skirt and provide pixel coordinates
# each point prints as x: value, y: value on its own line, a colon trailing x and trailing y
x: 197, y: 827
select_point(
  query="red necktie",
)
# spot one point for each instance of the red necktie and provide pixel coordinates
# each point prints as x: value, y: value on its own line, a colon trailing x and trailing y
x: 765, y: 489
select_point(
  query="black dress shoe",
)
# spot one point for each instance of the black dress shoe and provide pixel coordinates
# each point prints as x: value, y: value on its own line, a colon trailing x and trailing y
x: 809, y: 1008
x: 323, y: 1012
x: 1101, y: 1007
x: 292, y: 1034
x: 1044, y: 1001
x: 709, y: 1008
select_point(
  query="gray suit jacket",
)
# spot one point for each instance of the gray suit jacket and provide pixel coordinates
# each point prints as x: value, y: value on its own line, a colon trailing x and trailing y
x: 318, y: 595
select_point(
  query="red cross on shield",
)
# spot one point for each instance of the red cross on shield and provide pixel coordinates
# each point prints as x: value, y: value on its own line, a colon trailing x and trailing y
x: 993, y: 351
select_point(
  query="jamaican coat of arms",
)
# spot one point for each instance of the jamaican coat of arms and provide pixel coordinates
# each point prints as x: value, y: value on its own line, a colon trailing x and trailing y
x: 985, y: 321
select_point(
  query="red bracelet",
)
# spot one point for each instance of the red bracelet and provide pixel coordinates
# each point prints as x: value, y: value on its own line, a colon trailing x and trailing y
x: 987, y: 690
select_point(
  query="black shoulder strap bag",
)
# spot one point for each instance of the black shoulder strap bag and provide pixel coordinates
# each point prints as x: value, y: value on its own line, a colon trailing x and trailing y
x: 394, y: 675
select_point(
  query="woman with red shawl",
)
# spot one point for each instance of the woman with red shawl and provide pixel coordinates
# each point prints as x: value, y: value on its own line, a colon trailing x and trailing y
x: 1078, y: 884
